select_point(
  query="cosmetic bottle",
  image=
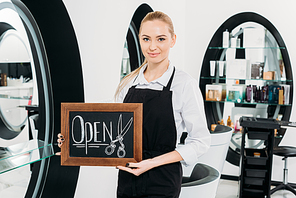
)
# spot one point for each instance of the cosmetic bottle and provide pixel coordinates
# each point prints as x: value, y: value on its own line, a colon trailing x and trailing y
x: 264, y: 94
x: 228, y: 121
x: 258, y: 95
x: 281, y: 96
x: 3, y: 79
x: 233, y: 42
x: 253, y: 99
x: 212, y: 67
x: 249, y: 93
x: 237, y: 126
x: 225, y: 40
x: 221, y: 68
x: 267, y: 91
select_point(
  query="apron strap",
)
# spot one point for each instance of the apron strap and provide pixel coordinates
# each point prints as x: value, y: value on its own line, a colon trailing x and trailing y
x: 168, y: 87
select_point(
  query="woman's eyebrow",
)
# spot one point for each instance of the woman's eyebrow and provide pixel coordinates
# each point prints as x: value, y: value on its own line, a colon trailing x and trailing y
x: 163, y: 35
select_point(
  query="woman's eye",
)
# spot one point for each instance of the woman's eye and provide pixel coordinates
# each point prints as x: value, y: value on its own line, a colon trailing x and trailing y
x: 161, y: 39
x: 146, y: 39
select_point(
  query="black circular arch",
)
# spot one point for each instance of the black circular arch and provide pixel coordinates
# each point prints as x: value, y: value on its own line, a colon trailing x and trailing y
x: 215, y: 54
x: 132, y: 37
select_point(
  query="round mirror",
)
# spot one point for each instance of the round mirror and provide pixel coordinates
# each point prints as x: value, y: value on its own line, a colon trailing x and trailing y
x: 132, y: 57
x: 25, y: 90
x: 253, y: 51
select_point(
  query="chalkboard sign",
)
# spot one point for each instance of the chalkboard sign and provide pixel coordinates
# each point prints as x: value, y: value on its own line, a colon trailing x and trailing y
x: 101, y: 134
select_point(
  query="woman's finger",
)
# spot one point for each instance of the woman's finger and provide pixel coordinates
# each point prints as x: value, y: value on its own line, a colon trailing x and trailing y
x: 132, y: 165
x: 134, y: 171
x: 60, y: 144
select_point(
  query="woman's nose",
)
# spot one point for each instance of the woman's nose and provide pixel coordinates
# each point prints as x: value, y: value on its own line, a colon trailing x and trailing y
x: 153, y: 45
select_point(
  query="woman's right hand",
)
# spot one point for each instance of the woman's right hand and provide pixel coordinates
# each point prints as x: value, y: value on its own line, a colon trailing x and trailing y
x: 60, y: 142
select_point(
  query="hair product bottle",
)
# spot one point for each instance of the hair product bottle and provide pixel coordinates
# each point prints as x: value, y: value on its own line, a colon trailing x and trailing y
x: 225, y: 40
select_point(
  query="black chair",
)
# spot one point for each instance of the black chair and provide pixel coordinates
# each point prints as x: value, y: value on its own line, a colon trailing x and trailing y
x: 203, y: 182
x: 284, y: 151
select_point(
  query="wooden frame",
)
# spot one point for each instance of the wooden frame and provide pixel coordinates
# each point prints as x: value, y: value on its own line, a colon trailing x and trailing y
x: 77, y: 152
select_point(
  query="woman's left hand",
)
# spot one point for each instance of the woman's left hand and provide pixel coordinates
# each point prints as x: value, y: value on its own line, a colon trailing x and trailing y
x: 145, y: 165
x: 138, y: 168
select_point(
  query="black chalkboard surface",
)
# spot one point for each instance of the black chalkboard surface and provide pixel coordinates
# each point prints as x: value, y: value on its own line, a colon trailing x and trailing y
x: 101, y: 134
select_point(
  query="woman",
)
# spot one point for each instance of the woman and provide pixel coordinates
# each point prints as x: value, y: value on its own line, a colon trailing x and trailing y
x: 172, y: 103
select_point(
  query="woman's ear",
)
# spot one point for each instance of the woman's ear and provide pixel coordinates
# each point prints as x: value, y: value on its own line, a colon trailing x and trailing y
x: 173, y: 40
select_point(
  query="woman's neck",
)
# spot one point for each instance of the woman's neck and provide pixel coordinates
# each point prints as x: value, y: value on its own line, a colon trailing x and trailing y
x: 154, y: 71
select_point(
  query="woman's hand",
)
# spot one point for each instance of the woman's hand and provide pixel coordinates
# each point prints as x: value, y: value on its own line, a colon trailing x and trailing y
x: 145, y: 165
x: 138, y: 168
x: 60, y: 142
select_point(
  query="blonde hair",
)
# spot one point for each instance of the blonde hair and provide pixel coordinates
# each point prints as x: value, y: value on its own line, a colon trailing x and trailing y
x: 151, y: 16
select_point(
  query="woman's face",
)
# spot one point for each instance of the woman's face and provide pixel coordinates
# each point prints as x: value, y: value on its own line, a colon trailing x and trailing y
x: 156, y: 41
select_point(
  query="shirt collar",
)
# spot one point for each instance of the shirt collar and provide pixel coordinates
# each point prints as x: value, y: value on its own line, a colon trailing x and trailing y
x: 163, y: 80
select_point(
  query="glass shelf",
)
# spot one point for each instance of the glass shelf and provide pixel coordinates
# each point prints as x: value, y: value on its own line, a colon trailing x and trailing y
x: 5, y: 96
x: 247, y: 48
x: 249, y: 103
x: 22, y: 154
x: 223, y: 78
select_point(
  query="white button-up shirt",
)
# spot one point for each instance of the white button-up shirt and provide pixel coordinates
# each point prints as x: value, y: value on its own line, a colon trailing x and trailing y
x: 188, y: 110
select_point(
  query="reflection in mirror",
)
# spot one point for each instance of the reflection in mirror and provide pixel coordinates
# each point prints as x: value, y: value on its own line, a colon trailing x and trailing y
x: 132, y: 57
x: 17, y: 86
x: 259, y: 47
x: 125, y: 64
x: 16, y: 89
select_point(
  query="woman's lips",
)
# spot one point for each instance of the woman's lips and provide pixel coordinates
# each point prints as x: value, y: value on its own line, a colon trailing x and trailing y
x: 153, y: 54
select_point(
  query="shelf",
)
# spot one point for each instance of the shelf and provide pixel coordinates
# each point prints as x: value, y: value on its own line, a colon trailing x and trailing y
x: 221, y: 78
x: 246, y: 48
x: 5, y: 96
x: 22, y: 154
x: 254, y: 103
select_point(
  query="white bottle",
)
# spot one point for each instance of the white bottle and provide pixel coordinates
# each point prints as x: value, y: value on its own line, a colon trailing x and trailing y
x: 225, y: 41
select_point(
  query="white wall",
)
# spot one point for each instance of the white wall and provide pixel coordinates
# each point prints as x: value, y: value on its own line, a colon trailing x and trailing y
x: 101, y: 28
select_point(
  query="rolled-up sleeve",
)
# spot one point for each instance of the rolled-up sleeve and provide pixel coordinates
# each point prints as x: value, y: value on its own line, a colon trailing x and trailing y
x: 198, y: 140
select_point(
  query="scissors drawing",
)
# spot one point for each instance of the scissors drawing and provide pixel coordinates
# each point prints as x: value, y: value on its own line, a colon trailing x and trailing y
x: 119, y: 138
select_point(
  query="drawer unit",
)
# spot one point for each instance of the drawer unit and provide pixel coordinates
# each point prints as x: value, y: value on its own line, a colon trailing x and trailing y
x: 253, y: 172
x: 256, y: 164
x: 253, y: 160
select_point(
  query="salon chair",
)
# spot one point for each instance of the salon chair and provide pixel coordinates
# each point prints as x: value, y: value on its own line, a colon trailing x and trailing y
x: 203, y: 182
x: 216, y: 155
x: 284, y: 151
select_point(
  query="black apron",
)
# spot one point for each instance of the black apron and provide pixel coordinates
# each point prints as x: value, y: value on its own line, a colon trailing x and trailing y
x: 159, y: 137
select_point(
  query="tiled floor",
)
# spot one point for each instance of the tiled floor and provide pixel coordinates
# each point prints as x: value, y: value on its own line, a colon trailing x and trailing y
x: 229, y: 189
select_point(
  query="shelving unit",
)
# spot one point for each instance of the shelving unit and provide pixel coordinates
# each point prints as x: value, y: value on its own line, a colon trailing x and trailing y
x: 275, y: 55
x: 249, y: 103
x: 221, y: 78
x: 22, y: 154
x: 219, y: 54
x: 255, y: 172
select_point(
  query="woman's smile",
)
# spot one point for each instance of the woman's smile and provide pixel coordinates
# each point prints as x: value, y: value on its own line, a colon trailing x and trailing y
x: 153, y: 55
